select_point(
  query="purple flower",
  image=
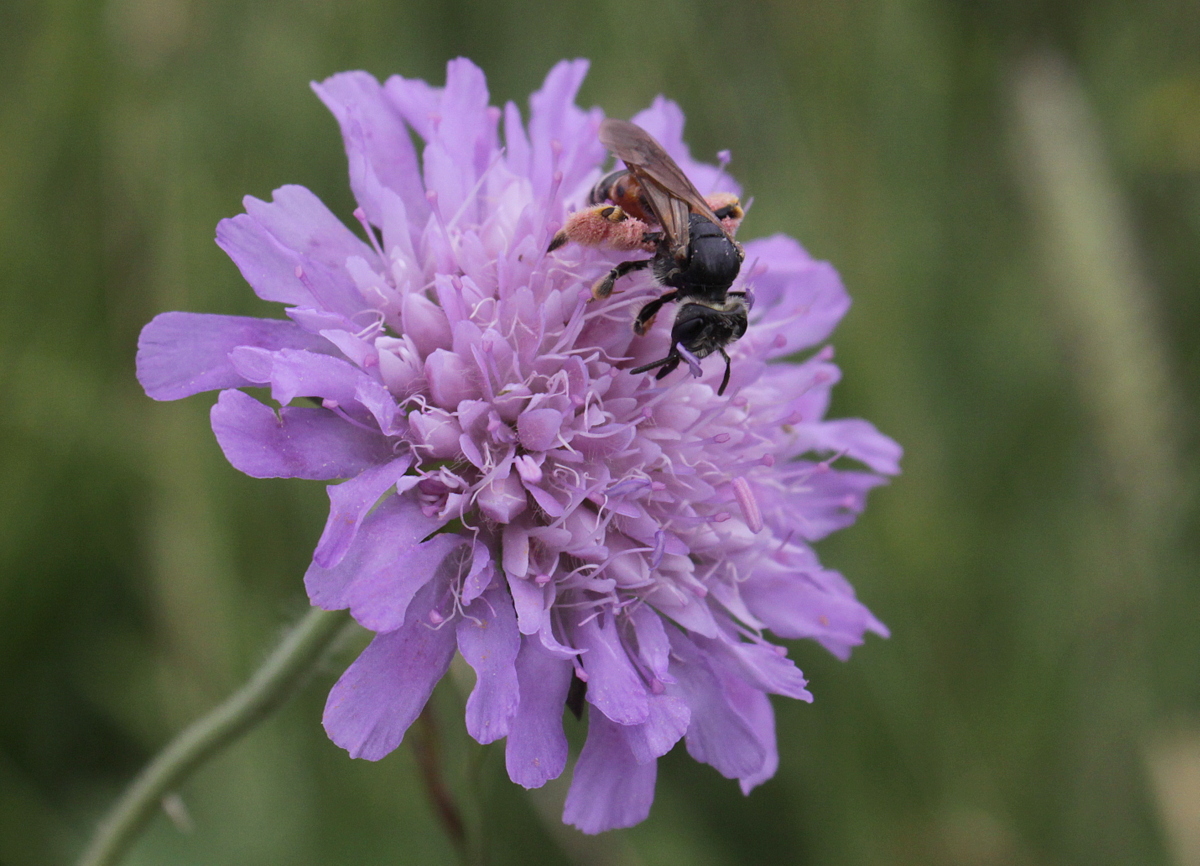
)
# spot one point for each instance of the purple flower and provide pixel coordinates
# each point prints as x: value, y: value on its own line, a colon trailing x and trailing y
x: 511, y: 491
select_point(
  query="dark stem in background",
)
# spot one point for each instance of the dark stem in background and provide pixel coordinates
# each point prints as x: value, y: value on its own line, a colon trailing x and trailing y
x: 277, y: 680
x: 426, y: 749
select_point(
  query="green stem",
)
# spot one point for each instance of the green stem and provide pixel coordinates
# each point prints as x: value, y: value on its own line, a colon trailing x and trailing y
x: 426, y: 747
x: 268, y: 689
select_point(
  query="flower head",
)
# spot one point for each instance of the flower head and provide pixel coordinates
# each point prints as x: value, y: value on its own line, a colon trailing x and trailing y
x: 511, y: 490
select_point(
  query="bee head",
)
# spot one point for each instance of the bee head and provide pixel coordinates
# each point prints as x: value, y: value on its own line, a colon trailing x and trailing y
x: 703, y: 327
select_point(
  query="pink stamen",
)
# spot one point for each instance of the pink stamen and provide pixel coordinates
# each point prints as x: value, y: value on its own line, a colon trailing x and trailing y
x: 361, y: 216
x: 749, y: 505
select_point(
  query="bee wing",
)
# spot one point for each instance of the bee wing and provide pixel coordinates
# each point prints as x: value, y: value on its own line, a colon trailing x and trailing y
x: 670, y: 194
x: 672, y: 213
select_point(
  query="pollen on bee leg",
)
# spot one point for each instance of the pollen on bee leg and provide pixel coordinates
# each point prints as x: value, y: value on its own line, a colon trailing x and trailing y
x: 629, y: 234
x: 603, y: 225
x: 728, y: 209
x: 591, y: 227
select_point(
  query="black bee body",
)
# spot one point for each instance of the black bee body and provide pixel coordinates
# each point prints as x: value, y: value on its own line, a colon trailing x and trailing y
x: 710, y: 266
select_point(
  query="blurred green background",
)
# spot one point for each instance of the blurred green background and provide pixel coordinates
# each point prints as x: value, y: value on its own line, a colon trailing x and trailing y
x: 1011, y: 190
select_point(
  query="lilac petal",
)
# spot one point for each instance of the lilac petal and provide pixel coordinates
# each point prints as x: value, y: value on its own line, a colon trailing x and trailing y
x: 551, y: 644
x: 859, y: 440
x: 614, y: 685
x: 536, y: 749
x: 828, y: 501
x: 297, y: 443
x: 516, y: 142
x: 300, y: 221
x: 514, y: 546
x: 755, y: 708
x: 358, y: 351
x: 801, y: 300
x: 719, y: 734
x: 379, y: 598
x: 180, y: 354
x: 562, y: 137
x: 268, y: 266
x: 279, y: 273
x: 462, y: 140
x: 489, y: 641
x: 530, y: 602
x: 385, y: 566
x: 653, y: 645
x: 545, y: 500
x: 798, y: 606
x: 293, y: 374
x: 807, y: 403
x: 377, y: 400
x: 379, y: 147
x: 759, y: 664
x: 349, y: 503
x: 384, y: 689
x: 609, y: 788
x: 436, y: 432
x: 503, y: 498
x: 668, y: 721
x: 417, y: 101
x: 479, y: 578
x: 690, y: 612
x: 451, y: 380
x: 425, y: 323
x: 538, y: 428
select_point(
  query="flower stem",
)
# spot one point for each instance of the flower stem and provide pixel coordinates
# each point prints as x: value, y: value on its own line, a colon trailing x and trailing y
x: 269, y: 688
x: 426, y: 749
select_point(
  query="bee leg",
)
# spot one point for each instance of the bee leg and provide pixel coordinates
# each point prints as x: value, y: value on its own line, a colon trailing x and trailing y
x: 603, y: 224
x: 667, y: 364
x: 669, y: 367
x: 645, y: 318
x: 725, y: 379
x: 604, y: 286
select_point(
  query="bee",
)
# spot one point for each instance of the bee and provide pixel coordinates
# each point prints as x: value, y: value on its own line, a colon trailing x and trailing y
x: 694, y: 253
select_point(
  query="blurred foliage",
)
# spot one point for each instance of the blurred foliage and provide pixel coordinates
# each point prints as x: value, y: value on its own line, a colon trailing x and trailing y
x: 1045, y: 640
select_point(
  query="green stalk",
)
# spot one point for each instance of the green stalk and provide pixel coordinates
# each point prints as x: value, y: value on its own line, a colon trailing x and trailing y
x: 268, y: 689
